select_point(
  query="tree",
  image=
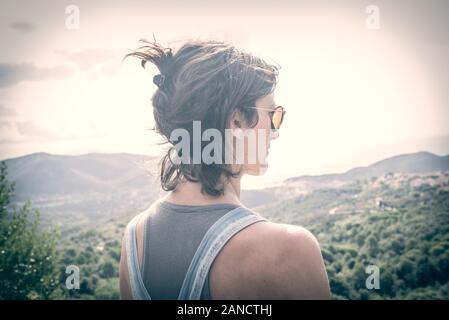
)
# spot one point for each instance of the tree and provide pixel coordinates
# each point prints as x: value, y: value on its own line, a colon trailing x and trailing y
x: 373, y: 247
x: 107, y: 270
x: 28, y: 255
x: 397, y: 246
x: 107, y: 289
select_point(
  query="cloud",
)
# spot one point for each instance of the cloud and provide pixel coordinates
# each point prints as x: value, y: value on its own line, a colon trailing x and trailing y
x: 30, y: 129
x: 13, y: 132
x: 4, y: 124
x: 8, y: 132
x: 87, y: 59
x: 105, y: 70
x: 6, y: 112
x: 23, y: 131
x: 22, y: 26
x: 13, y: 73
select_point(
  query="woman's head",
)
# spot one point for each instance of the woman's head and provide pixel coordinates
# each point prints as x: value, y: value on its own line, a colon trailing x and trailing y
x: 218, y: 85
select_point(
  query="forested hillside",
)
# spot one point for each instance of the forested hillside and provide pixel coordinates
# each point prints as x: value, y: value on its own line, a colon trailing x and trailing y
x: 395, y: 220
x: 399, y: 223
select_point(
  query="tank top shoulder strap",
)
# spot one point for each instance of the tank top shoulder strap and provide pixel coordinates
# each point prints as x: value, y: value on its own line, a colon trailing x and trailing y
x: 211, y: 244
x: 138, y: 289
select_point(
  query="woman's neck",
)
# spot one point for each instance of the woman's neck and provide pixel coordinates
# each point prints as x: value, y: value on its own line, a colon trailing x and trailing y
x: 189, y: 193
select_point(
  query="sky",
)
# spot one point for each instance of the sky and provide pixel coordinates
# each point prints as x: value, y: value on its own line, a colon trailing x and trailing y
x: 361, y: 80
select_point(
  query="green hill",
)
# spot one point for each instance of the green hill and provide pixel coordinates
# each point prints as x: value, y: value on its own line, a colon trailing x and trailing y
x: 399, y: 223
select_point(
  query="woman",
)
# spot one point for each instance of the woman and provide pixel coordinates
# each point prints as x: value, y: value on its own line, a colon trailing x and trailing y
x: 199, y: 241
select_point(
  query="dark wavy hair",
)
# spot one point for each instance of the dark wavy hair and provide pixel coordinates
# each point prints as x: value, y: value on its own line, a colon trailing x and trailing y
x: 204, y: 80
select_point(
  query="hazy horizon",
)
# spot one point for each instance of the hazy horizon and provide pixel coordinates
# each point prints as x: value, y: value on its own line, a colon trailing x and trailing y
x: 254, y: 182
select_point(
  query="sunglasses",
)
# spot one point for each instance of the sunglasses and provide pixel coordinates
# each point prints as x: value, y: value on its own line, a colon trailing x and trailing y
x: 276, y: 115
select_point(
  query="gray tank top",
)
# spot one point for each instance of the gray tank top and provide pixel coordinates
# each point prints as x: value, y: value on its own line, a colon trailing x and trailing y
x: 172, y: 233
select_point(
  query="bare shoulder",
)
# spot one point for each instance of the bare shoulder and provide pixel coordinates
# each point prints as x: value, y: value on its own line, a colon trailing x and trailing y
x: 124, y: 282
x: 270, y: 261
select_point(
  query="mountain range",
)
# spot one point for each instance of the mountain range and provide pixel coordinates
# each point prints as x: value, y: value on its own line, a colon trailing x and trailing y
x: 105, y: 184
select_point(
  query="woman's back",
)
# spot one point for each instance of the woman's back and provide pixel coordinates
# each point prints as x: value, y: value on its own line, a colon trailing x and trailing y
x: 172, y: 235
x: 259, y: 261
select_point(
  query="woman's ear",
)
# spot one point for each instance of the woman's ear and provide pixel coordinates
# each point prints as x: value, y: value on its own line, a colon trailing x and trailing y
x: 236, y: 124
x: 236, y: 121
